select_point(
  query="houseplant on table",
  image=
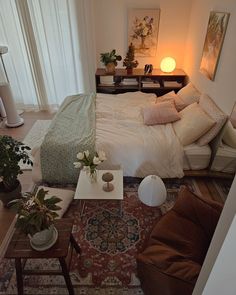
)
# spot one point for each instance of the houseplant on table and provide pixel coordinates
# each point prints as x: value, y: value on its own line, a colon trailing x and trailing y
x: 12, y: 152
x: 109, y: 59
x: 36, y: 214
x: 129, y: 61
x: 89, y: 162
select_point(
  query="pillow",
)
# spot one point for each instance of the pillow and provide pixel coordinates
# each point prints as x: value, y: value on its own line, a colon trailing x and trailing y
x: 160, y: 113
x: 189, y: 94
x: 66, y: 197
x: 229, y: 136
x: 194, y: 123
x: 209, y: 106
x: 172, y: 96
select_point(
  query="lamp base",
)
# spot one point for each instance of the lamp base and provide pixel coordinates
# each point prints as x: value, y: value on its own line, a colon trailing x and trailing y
x: 12, y: 125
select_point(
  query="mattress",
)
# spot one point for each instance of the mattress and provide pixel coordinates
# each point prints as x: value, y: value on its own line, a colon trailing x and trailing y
x: 196, y: 157
x: 225, y: 159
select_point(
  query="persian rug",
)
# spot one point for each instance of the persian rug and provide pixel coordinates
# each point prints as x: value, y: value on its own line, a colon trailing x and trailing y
x: 35, y: 137
x: 109, y: 241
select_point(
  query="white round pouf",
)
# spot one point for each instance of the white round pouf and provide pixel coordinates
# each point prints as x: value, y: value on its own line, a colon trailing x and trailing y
x: 152, y: 191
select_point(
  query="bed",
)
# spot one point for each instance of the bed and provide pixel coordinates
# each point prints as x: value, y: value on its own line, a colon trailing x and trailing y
x: 130, y: 145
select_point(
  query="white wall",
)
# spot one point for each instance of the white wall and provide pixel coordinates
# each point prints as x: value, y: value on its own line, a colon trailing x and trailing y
x: 111, y: 28
x: 224, y: 223
x: 222, y: 90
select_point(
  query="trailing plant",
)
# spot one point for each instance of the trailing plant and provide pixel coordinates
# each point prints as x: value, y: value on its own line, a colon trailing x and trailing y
x: 35, y: 211
x: 110, y: 57
x: 12, y: 152
x: 129, y: 61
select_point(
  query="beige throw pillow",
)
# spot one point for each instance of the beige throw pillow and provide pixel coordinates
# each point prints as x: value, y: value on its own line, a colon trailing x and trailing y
x: 172, y: 96
x: 160, y: 113
x: 194, y: 123
x: 229, y: 136
x: 189, y: 94
x: 209, y: 106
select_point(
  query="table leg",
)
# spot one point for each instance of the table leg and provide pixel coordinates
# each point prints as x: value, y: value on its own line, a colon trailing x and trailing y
x: 74, y: 244
x: 66, y: 275
x: 19, y: 277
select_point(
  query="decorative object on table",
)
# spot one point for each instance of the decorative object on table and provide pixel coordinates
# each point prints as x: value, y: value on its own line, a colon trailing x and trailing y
x: 216, y: 29
x: 168, y: 64
x: 129, y: 61
x: 36, y: 213
x: 89, y: 162
x: 109, y: 59
x: 12, y: 152
x: 148, y: 69
x: 152, y: 191
x: 13, y: 118
x: 143, y: 25
x: 108, y: 177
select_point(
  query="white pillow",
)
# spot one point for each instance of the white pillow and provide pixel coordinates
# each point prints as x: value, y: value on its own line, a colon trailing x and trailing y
x: 194, y: 123
x: 66, y: 197
x: 209, y: 106
x: 229, y: 136
x: 189, y: 94
x: 172, y: 96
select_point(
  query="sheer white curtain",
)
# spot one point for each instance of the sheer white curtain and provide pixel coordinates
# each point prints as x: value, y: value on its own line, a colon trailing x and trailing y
x: 58, y: 41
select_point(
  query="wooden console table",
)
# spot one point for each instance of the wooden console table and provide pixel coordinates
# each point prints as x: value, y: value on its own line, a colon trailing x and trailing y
x: 20, y: 249
x: 162, y: 82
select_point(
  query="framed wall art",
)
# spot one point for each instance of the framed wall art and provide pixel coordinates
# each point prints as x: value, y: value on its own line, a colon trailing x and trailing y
x: 216, y: 29
x: 143, y: 25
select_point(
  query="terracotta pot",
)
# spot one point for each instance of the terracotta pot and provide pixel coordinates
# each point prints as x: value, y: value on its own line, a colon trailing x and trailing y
x: 129, y: 71
x: 110, y: 68
x: 6, y: 196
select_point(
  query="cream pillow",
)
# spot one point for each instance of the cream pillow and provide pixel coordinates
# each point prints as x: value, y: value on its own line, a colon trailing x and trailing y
x: 209, y: 106
x: 229, y: 136
x: 194, y: 123
x: 189, y: 94
x: 160, y: 113
x: 172, y: 96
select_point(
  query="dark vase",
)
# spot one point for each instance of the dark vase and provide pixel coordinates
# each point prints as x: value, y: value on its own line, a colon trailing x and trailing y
x: 6, y: 196
x: 129, y: 71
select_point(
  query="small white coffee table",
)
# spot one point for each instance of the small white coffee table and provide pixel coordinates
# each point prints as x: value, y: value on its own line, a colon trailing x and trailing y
x: 86, y: 190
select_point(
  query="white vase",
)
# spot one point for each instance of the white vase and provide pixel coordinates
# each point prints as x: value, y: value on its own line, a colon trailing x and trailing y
x: 92, y: 173
x: 43, y: 237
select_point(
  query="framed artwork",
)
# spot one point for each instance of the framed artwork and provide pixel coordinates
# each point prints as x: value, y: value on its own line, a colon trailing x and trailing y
x: 143, y: 25
x: 216, y: 29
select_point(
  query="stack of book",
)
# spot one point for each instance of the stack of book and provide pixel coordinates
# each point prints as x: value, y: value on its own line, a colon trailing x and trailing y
x: 149, y: 83
x: 106, y: 81
x: 129, y: 82
x: 173, y: 84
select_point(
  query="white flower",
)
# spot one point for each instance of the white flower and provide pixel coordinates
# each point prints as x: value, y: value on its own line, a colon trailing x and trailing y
x: 96, y: 161
x: 102, y: 155
x: 86, y: 153
x: 80, y: 156
x: 77, y: 164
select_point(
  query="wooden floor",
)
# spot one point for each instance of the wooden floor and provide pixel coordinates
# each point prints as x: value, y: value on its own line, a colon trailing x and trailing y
x: 208, y: 190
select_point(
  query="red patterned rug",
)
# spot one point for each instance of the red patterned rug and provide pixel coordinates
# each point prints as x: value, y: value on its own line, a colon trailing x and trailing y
x: 110, y: 239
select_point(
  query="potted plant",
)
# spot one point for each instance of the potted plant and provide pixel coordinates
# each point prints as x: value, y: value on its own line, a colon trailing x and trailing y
x: 130, y: 62
x: 36, y: 214
x: 109, y: 59
x: 12, y: 152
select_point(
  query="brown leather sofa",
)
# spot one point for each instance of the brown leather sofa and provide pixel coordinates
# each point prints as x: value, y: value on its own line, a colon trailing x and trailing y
x: 175, y: 251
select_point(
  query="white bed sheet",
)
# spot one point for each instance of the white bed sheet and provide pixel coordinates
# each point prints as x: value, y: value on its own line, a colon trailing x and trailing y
x: 225, y: 159
x: 196, y: 157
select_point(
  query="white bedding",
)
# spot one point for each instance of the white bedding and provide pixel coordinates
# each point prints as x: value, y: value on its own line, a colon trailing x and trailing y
x: 196, y: 157
x: 138, y: 149
x: 225, y: 159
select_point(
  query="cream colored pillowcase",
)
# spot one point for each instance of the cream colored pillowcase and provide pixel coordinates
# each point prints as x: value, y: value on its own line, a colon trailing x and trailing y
x: 189, y: 94
x: 229, y: 136
x: 172, y: 96
x: 209, y: 106
x: 194, y: 123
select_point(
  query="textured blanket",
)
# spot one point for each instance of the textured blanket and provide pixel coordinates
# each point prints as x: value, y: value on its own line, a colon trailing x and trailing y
x: 72, y: 130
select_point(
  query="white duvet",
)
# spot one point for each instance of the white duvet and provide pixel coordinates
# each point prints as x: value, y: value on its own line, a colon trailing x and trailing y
x: 130, y: 145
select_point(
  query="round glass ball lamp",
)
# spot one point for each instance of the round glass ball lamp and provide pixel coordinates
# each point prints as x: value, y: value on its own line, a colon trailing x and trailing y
x: 168, y: 64
x: 152, y: 191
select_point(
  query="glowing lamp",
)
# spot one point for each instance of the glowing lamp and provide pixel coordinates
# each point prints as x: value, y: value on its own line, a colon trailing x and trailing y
x: 168, y: 65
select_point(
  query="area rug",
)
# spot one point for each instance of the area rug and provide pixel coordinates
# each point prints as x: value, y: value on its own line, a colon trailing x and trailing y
x: 109, y: 241
x: 35, y: 137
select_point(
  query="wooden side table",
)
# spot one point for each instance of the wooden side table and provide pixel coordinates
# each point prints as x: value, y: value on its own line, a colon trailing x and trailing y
x: 19, y: 248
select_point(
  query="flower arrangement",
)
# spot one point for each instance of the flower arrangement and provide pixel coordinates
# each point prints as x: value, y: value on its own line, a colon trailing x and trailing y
x: 90, y: 161
x: 129, y: 61
x: 142, y: 28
